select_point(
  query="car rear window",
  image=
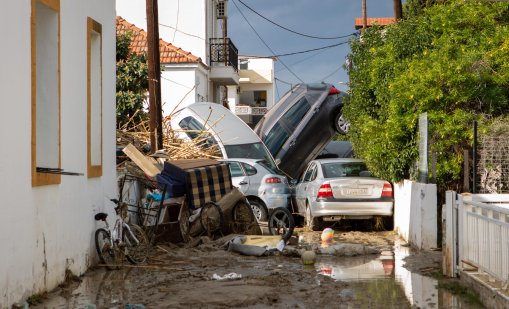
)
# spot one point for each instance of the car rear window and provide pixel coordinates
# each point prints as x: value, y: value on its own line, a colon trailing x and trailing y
x: 295, y: 114
x: 276, y: 137
x: 343, y: 169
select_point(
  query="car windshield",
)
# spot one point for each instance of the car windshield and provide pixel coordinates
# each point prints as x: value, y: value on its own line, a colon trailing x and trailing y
x: 344, y: 169
x: 251, y: 151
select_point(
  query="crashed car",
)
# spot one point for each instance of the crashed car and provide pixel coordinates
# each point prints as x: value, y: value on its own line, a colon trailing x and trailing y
x: 301, y: 124
x: 265, y: 188
x: 216, y: 127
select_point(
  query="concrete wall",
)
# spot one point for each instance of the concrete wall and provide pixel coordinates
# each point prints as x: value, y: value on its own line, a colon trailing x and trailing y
x: 45, y: 230
x: 182, y: 85
x: 415, y: 213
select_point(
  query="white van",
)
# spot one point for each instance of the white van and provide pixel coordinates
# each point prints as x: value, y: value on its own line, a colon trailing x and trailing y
x: 233, y: 137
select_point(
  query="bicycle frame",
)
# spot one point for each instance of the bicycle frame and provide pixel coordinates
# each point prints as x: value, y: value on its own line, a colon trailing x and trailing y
x: 116, y: 233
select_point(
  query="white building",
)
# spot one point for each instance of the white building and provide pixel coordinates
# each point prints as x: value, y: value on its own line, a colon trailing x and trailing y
x: 255, y: 95
x: 58, y: 91
x: 184, y: 77
x: 198, y: 27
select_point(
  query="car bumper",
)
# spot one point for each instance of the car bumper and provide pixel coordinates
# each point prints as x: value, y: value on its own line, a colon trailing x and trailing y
x: 352, y: 208
x: 276, y: 200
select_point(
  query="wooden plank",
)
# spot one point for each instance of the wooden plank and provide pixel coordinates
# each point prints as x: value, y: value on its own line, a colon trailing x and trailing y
x: 148, y: 165
x: 193, y: 163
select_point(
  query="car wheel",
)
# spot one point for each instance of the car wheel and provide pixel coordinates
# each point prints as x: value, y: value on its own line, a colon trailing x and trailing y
x: 259, y: 210
x: 340, y: 124
x: 311, y: 222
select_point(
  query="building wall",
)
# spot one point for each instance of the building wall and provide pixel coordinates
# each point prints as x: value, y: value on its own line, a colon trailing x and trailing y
x: 48, y: 229
x: 181, y: 86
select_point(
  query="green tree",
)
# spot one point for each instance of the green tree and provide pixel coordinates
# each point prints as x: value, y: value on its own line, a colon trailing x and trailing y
x: 451, y: 60
x: 132, y: 82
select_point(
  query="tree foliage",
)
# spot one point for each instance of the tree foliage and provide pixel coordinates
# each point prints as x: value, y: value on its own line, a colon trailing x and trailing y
x: 451, y: 60
x: 132, y: 82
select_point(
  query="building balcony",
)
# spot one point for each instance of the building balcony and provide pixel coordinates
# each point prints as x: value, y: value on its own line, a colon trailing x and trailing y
x: 224, y: 61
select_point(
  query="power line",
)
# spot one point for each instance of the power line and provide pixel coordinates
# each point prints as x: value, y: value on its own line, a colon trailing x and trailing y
x: 266, y: 45
x: 324, y: 78
x: 292, y: 31
x: 310, y: 50
x: 192, y: 35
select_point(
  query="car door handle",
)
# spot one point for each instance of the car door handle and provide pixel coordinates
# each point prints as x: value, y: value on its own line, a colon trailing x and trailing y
x: 243, y: 183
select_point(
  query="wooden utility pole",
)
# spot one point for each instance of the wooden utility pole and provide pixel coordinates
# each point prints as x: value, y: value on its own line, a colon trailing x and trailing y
x: 398, y: 10
x: 154, y: 77
x: 364, y: 15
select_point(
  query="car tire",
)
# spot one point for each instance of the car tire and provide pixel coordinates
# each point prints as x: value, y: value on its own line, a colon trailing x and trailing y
x: 311, y: 222
x: 259, y: 210
x: 340, y: 124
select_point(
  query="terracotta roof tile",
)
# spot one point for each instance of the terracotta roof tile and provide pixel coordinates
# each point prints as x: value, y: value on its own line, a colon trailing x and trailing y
x: 168, y: 52
x: 380, y: 21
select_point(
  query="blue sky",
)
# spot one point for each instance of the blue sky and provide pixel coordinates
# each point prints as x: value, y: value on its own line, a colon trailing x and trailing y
x: 324, y: 18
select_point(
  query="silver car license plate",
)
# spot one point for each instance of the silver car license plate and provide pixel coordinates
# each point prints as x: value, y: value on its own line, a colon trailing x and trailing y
x: 358, y: 191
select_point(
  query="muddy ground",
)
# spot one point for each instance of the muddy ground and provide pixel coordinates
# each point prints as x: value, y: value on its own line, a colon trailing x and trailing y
x: 179, y: 277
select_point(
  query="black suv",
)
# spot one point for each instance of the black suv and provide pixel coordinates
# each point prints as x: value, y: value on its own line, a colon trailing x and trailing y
x: 299, y: 126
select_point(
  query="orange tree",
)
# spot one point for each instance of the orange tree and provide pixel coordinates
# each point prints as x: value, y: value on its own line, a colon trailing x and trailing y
x: 450, y: 60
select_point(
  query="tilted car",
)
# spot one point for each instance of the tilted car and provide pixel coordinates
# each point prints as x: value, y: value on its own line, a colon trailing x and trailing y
x: 265, y: 188
x: 342, y: 188
x: 216, y: 127
x: 299, y: 126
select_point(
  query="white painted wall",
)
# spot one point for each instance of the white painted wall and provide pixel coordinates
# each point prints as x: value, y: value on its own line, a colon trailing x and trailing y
x: 182, y: 85
x: 415, y: 213
x: 47, y: 229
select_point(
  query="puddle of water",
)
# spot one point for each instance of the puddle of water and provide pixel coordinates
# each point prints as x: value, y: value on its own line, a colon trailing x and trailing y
x: 381, y: 281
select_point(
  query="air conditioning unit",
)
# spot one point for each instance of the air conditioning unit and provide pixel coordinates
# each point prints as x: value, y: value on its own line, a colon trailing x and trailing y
x: 221, y: 9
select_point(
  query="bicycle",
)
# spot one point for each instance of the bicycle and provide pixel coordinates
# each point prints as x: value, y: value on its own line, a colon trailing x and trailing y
x: 124, y: 240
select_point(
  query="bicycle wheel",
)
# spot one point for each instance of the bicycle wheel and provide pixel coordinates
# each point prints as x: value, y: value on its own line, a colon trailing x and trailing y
x: 243, y: 218
x: 281, y: 222
x: 105, y: 250
x: 211, y: 217
x: 136, y: 244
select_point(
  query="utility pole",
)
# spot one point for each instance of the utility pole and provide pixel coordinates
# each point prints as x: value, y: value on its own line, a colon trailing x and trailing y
x: 364, y: 15
x: 154, y: 77
x: 398, y: 10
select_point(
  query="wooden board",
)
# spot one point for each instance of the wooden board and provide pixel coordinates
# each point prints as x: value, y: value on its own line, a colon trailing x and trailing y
x: 148, y: 165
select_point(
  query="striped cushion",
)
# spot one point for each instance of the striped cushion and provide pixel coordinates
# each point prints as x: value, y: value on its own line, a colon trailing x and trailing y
x: 209, y: 183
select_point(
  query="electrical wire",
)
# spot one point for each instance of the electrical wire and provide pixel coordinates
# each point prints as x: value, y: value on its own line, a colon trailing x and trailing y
x: 324, y: 78
x: 310, y: 50
x: 177, y: 22
x: 264, y: 43
x: 295, y: 32
x: 185, y: 33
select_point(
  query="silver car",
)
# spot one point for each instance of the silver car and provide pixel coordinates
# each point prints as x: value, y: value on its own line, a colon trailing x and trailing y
x: 341, y: 188
x: 264, y: 187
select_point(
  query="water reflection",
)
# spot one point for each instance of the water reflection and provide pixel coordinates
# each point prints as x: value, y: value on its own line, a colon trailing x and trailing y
x: 381, y: 281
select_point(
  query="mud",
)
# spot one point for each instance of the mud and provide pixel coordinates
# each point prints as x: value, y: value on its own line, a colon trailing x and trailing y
x: 177, y: 277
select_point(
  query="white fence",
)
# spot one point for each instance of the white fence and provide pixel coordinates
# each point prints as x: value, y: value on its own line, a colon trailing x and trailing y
x: 477, y: 234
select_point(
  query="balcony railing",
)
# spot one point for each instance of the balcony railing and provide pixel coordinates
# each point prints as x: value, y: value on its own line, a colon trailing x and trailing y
x: 223, y: 51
